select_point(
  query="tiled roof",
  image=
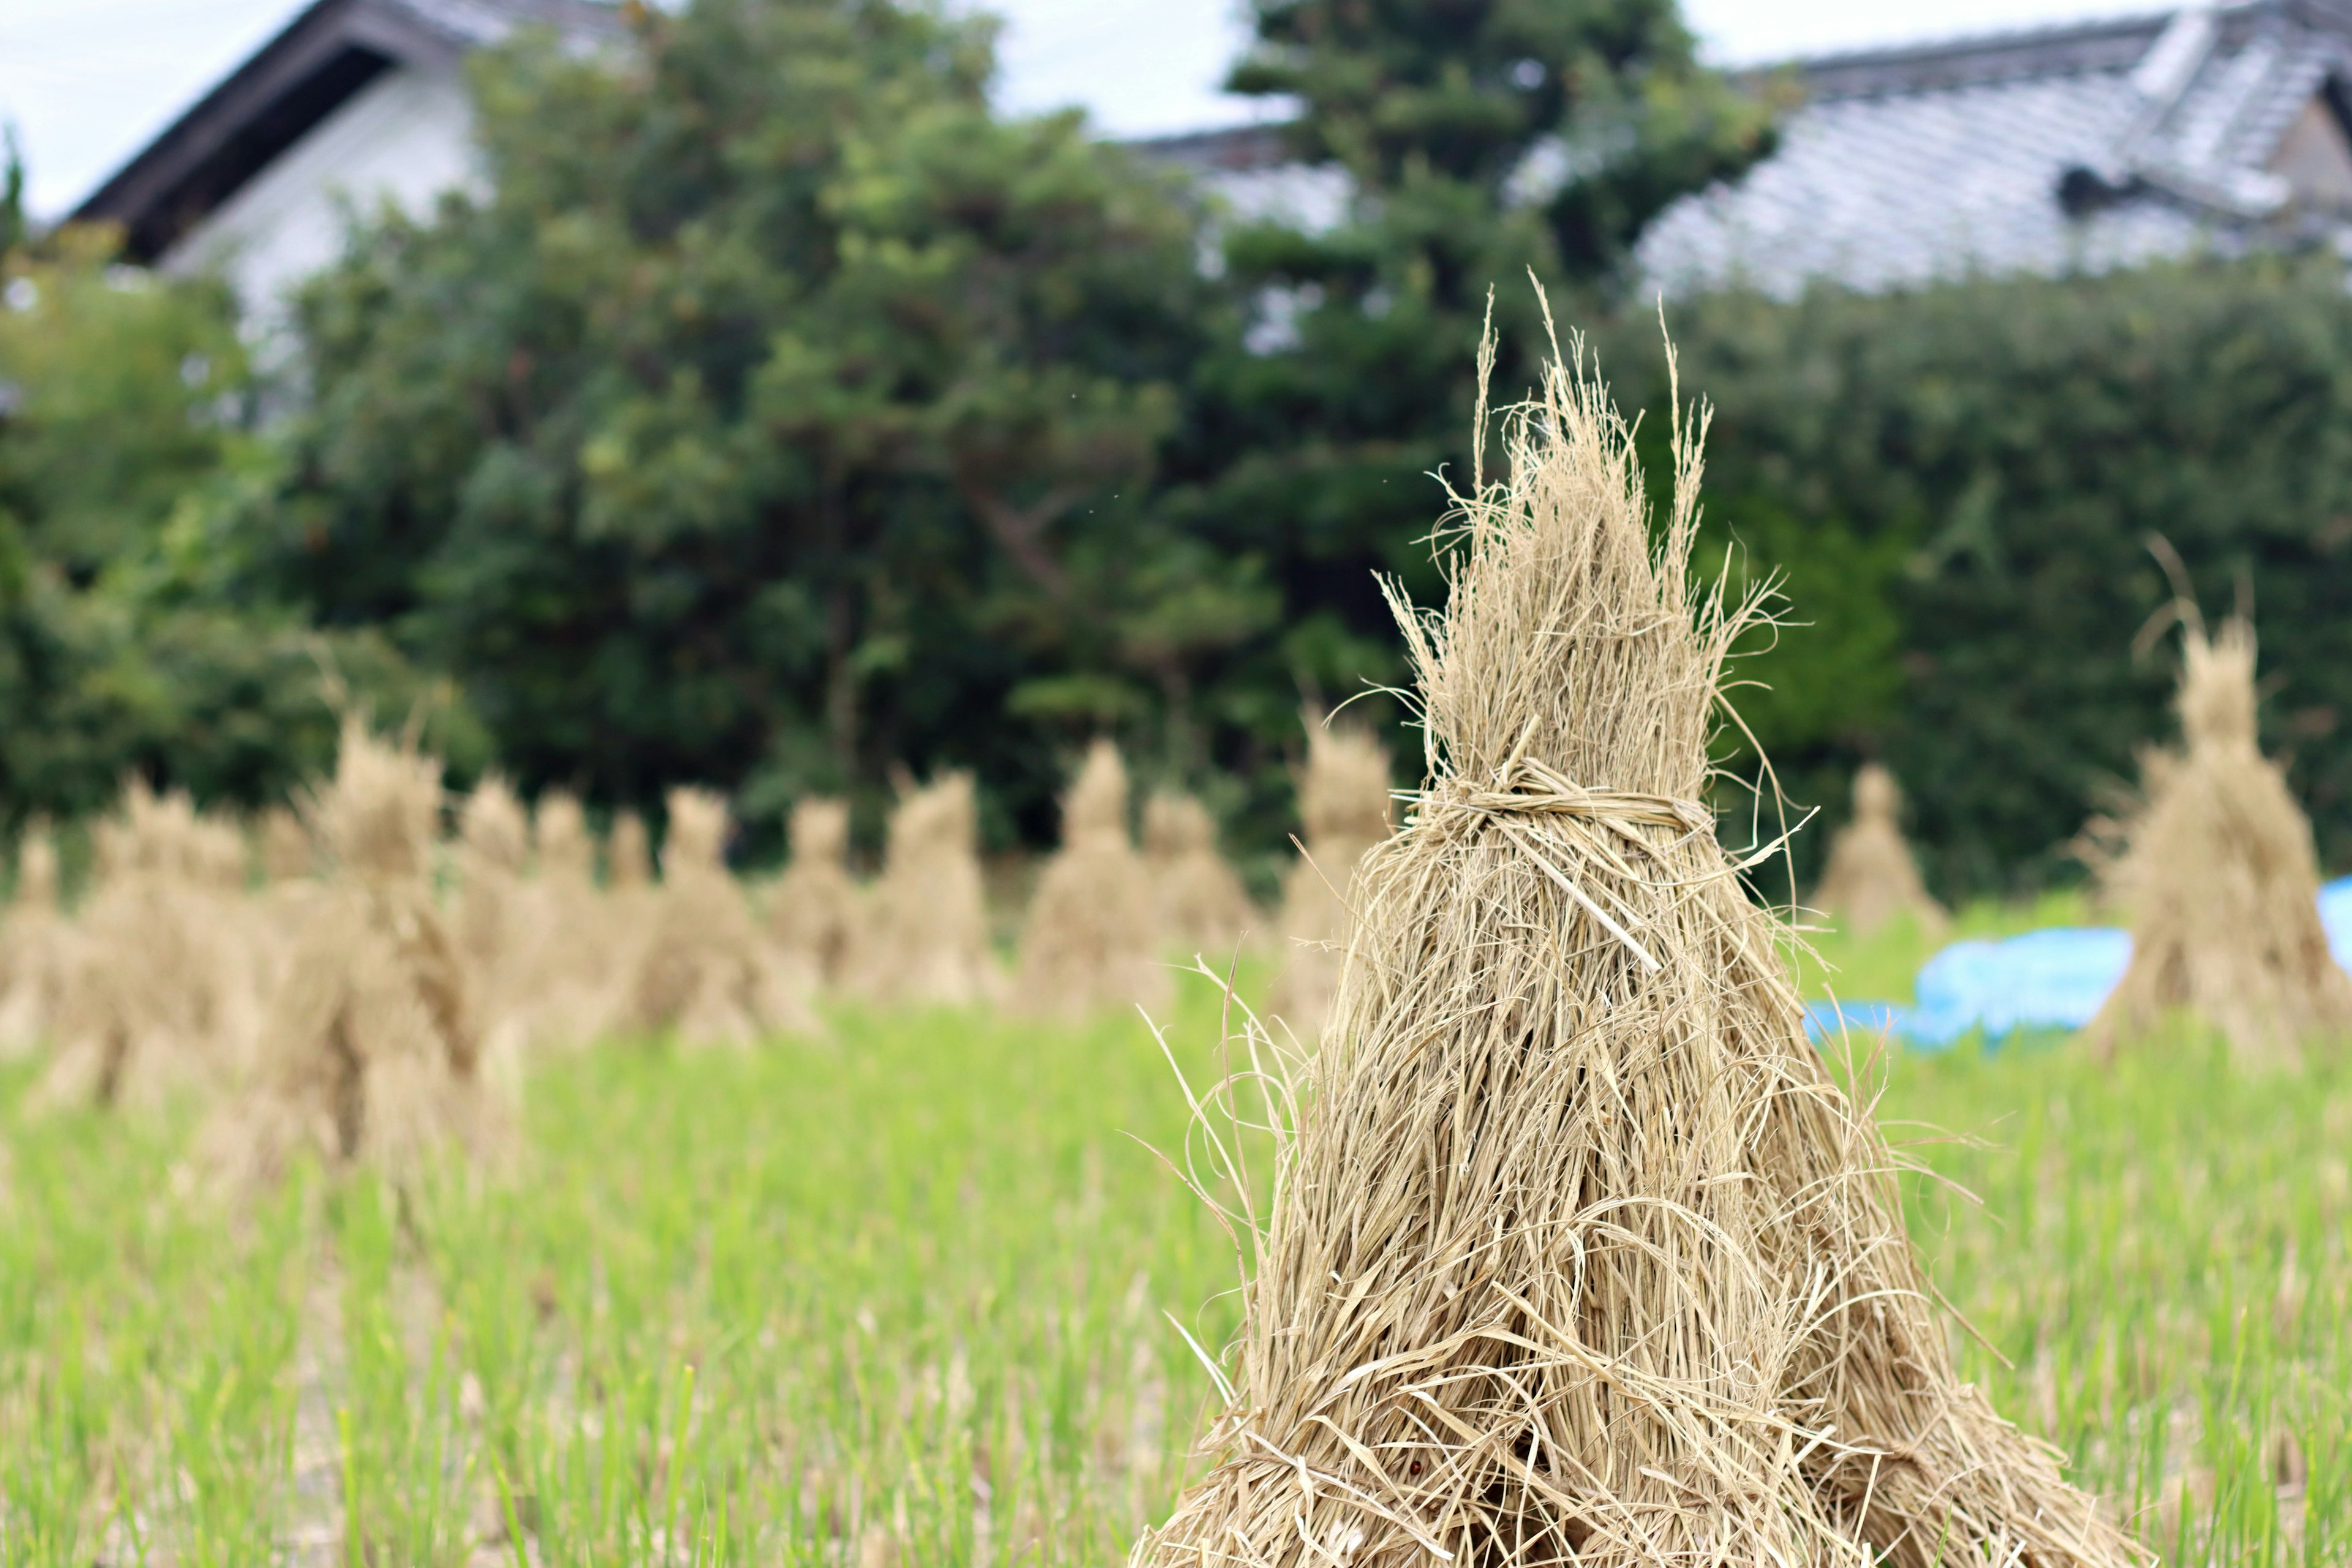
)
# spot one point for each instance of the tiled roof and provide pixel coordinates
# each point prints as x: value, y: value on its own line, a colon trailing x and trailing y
x: 2091, y: 145
x: 2066, y: 148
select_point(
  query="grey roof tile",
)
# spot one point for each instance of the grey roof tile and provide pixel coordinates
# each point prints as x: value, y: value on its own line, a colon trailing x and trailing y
x: 1903, y: 165
x: 1902, y: 168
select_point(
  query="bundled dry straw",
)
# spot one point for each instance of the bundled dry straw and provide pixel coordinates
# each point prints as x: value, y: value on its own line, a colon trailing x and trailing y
x: 1202, y: 905
x: 705, y: 972
x: 1092, y: 941
x: 158, y: 993
x: 2219, y: 879
x: 1578, y: 1253
x: 628, y: 854
x: 492, y: 916
x: 1343, y: 804
x: 924, y: 940
x: 1871, y: 877
x: 575, y: 967
x: 35, y: 946
x: 813, y: 911
x: 287, y: 852
x: 371, y: 1048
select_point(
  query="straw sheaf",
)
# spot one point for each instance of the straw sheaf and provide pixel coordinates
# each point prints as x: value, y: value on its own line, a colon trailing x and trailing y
x: 373, y: 1048
x: 1203, y: 908
x: 1871, y: 877
x: 381, y: 816
x: 564, y: 846
x: 1344, y: 803
x: 35, y: 947
x: 371, y: 1054
x: 925, y: 938
x: 493, y: 829
x: 492, y: 935
x: 2219, y: 879
x: 577, y: 964
x: 1578, y: 1254
x: 812, y: 911
x: 1092, y: 935
x: 705, y: 972
x: 156, y: 990
x: 1343, y: 792
x: 287, y: 852
x: 628, y: 854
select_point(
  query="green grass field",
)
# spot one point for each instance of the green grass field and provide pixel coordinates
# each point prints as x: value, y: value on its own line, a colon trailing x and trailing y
x: 904, y: 1297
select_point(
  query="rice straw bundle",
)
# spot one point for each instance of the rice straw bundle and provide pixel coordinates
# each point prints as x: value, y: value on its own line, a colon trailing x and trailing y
x: 1092, y: 940
x: 1202, y: 905
x: 287, y: 853
x: 158, y: 996
x: 1578, y: 1253
x: 813, y: 911
x: 372, y: 1049
x: 705, y: 971
x: 289, y: 864
x: 1871, y: 877
x: 35, y: 946
x: 2219, y: 881
x: 492, y: 935
x: 628, y: 855
x: 1343, y: 804
x: 924, y: 940
x: 575, y: 971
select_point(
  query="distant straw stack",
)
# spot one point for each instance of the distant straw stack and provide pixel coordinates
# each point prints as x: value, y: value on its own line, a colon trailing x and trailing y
x: 628, y: 854
x: 2219, y: 882
x: 1871, y: 877
x: 1343, y: 804
x: 492, y: 920
x: 924, y: 940
x: 35, y: 947
x: 813, y: 911
x: 1092, y: 940
x: 371, y: 1051
x: 576, y: 967
x: 158, y: 996
x: 1203, y: 907
x: 286, y: 851
x: 1578, y: 1253
x: 705, y: 974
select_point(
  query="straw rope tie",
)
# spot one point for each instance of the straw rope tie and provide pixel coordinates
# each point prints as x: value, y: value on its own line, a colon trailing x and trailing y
x: 1527, y: 801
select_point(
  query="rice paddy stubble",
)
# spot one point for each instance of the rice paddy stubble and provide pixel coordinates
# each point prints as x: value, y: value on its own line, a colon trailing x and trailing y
x: 910, y: 1260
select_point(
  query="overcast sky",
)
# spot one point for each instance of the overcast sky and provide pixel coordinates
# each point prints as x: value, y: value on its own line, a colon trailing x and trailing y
x: 87, y: 82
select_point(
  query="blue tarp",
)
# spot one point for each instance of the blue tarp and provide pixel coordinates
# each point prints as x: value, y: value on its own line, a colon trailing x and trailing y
x: 2045, y: 979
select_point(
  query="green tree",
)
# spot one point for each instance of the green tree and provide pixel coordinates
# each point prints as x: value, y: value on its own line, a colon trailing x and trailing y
x: 781, y: 415
x: 1479, y: 142
x: 123, y: 648
x: 1959, y: 484
x: 14, y: 230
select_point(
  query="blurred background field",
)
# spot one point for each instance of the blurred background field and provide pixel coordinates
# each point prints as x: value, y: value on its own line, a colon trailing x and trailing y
x: 904, y: 1297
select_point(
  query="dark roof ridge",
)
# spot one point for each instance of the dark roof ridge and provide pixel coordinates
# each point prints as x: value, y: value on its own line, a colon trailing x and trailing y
x: 322, y: 54
x: 2111, y: 43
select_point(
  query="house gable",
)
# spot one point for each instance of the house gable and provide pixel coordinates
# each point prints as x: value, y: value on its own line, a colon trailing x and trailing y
x: 331, y: 53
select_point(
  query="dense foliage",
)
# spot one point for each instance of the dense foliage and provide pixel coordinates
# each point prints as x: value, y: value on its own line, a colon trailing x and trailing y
x: 777, y: 416
x: 1478, y: 143
x: 124, y: 644
x: 1961, y: 486
x: 782, y: 415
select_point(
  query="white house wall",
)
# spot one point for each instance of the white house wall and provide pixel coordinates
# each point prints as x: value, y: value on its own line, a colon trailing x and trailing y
x: 406, y: 137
